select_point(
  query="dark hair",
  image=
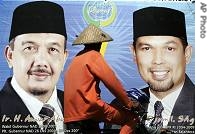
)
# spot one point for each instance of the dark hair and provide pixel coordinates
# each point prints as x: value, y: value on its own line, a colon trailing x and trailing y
x: 11, y: 43
x: 93, y: 46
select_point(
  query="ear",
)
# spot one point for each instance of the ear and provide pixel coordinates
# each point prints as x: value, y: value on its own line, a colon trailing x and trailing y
x: 188, y: 54
x: 132, y: 49
x: 8, y: 55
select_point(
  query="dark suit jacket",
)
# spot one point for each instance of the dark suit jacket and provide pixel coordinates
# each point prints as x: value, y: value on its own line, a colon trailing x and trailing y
x: 183, y: 113
x: 14, y: 115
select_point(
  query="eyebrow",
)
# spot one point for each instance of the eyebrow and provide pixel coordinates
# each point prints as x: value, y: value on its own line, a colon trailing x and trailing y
x: 25, y: 42
x: 165, y: 43
x: 50, y: 43
x: 142, y: 43
x: 55, y: 44
x: 171, y: 42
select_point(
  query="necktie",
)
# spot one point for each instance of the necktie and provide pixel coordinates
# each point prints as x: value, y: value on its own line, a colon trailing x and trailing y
x: 47, y: 115
x: 157, y: 120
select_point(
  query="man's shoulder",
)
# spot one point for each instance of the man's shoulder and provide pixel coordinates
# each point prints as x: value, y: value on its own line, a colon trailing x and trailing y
x: 5, y: 94
x: 188, y: 90
x: 94, y: 55
x: 60, y: 95
x: 10, y: 102
x: 60, y: 91
x: 2, y: 94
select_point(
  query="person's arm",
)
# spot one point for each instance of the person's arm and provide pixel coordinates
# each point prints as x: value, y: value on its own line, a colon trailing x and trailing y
x: 102, y: 70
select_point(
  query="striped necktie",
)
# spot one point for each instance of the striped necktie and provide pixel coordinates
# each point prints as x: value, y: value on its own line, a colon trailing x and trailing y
x: 158, y: 119
x: 47, y: 114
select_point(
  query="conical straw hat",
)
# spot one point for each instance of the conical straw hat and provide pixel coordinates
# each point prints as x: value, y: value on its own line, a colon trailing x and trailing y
x: 92, y: 34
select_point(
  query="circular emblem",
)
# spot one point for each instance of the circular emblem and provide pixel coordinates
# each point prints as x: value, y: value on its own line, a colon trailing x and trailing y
x: 99, y: 13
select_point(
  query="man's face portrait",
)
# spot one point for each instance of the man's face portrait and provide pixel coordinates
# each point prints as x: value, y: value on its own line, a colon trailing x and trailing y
x: 161, y: 61
x: 37, y: 60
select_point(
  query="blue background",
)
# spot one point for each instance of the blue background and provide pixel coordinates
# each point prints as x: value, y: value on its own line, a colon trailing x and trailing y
x: 118, y: 54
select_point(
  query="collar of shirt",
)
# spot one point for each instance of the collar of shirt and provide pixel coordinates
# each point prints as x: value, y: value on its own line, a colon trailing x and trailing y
x: 168, y: 103
x: 34, y: 105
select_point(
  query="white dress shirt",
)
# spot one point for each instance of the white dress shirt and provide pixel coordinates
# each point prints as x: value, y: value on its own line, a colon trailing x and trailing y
x: 34, y: 105
x: 168, y: 103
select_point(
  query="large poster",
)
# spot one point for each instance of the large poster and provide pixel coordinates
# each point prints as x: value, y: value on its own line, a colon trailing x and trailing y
x: 114, y: 17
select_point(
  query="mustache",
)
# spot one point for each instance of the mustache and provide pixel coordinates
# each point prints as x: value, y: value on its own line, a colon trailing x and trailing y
x: 39, y: 70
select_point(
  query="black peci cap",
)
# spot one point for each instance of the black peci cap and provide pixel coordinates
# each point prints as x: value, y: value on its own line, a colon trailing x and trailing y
x: 152, y: 21
x: 38, y: 17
